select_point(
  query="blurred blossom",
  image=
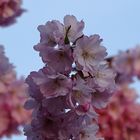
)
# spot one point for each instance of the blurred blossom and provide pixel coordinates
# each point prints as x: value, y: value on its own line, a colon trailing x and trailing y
x: 136, y: 52
x: 13, y: 93
x: 9, y: 11
x: 127, y: 65
x: 121, y: 119
x: 75, y: 80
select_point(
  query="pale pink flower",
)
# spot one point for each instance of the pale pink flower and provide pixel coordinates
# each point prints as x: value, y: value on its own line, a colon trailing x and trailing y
x: 62, y: 93
x: 100, y: 100
x: 126, y: 59
x: 136, y: 64
x: 13, y: 93
x: 9, y: 11
x: 102, y: 76
x: 52, y: 85
x: 59, y: 58
x: 87, y: 132
x: 76, y: 27
x: 88, y: 52
x: 121, y: 119
x: 81, y: 92
x: 51, y: 33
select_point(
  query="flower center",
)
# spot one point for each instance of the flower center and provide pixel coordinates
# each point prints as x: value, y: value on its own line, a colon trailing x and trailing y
x: 85, y: 55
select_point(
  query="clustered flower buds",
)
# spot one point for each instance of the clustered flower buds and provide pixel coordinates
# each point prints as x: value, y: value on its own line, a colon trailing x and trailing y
x: 13, y: 93
x: 74, y: 82
x: 9, y: 10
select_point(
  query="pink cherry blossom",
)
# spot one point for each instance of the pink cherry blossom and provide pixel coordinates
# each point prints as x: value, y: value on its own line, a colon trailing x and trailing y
x: 88, y: 52
x: 51, y: 33
x: 9, y: 11
x: 54, y: 32
x: 121, y: 119
x: 13, y: 93
x: 136, y: 52
x: 53, y: 85
x: 81, y: 92
x: 126, y: 64
x: 102, y: 76
x: 59, y: 58
x: 63, y: 94
x: 76, y: 27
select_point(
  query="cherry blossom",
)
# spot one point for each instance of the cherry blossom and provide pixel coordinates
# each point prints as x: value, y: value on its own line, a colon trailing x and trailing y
x: 75, y: 80
x: 9, y: 11
x: 13, y: 93
x: 88, y: 52
x: 121, y: 119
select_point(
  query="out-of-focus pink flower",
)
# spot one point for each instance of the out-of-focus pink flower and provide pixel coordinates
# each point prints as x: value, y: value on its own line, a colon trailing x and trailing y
x: 13, y: 93
x: 87, y: 133
x: 121, y: 119
x: 102, y: 78
x: 4, y: 119
x: 127, y: 65
x: 126, y: 59
x: 100, y: 99
x: 9, y: 10
x: 136, y: 52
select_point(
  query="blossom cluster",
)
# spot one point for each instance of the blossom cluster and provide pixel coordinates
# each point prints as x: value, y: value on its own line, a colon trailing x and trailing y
x: 13, y: 93
x: 9, y: 10
x: 127, y: 65
x: 121, y: 119
x: 74, y: 82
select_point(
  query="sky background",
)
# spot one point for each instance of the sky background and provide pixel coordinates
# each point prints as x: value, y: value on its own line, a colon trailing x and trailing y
x: 117, y: 22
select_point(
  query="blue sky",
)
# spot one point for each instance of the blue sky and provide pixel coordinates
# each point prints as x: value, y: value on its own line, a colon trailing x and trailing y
x: 117, y: 22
